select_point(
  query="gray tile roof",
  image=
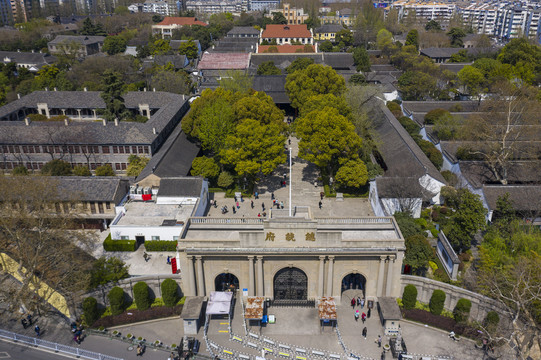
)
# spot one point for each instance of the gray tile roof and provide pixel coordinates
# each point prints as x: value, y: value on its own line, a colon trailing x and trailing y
x: 272, y: 85
x: 335, y: 60
x: 435, y: 52
x: 241, y: 30
x: 181, y: 186
x: 399, y: 187
x: 234, y: 45
x: 80, y: 39
x: 389, y: 308
x: 178, y: 61
x: 329, y: 28
x: 426, y: 106
x: 174, y: 157
x: 402, y: 156
x: 36, y: 58
x: 523, y: 197
x: 87, y: 131
x: 519, y: 172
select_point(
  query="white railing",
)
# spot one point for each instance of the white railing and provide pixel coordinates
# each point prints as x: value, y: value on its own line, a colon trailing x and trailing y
x: 210, y: 221
x: 364, y: 220
x: 39, y: 343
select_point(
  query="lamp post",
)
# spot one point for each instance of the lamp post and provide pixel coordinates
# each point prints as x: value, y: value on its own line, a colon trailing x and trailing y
x: 290, y: 181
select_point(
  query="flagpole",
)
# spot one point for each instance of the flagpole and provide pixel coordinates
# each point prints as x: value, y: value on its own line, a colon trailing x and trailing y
x: 290, y: 182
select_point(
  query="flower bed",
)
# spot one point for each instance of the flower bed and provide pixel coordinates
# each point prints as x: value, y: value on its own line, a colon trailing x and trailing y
x: 440, y: 322
x: 133, y: 316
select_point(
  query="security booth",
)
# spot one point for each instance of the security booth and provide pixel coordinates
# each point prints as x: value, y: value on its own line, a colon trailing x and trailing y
x: 191, y: 314
x: 389, y: 315
x: 255, y: 311
x: 327, y: 312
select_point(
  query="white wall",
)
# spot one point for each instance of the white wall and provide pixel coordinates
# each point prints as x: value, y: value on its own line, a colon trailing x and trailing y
x: 432, y: 185
x: 392, y: 205
x: 164, y: 232
x: 173, y: 200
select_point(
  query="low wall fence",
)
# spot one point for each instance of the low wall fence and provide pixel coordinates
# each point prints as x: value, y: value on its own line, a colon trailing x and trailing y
x: 481, y: 304
x: 58, y: 348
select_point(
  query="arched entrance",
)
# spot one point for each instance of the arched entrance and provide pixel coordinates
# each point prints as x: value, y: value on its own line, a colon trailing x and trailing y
x: 354, y: 282
x: 226, y: 282
x: 290, y: 284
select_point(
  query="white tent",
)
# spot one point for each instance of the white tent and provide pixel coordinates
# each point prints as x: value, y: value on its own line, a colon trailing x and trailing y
x: 219, y: 303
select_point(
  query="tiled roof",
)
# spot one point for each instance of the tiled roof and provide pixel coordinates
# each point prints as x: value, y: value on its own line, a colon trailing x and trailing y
x: 286, y: 49
x: 523, y: 197
x: 181, y: 186
x: 81, y: 39
x: 399, y: 187
x: 27, y: 57
x: 329, y: 28
x: 235, y: 45
x: 175, y: 20
x: 272, y: 85
x: 286, y: 31
x: 519, y: 172
x: 239, y: 30
x: 337, y: 61
x: 224, y: 61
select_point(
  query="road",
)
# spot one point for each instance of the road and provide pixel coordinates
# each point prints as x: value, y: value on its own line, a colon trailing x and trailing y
x: 20, y: 352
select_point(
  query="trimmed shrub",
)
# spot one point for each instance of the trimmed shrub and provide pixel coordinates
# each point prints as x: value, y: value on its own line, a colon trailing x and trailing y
x: 393, y: 106
x: 160, y: 245
x: 118, y: 245
x: 437, y: 300
x: 491, y: 320
x: 169, y: 292
x: 411, y: 126
x: 462, y: 309
x: 432, y: 152
x: 409, y: 297
x: 141, y: 295
x: 451, y: 178
x: 90, y: 310
x: 116, y: 300
x: 433, y: 115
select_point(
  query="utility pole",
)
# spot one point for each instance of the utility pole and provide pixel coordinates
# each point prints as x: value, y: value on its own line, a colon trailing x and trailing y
x: 290, y: 181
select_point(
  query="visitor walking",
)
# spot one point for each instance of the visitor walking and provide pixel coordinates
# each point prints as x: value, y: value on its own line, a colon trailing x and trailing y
x: 145, y: 256
x: 320, y: 203
x: 37, y: 330
x: 252, y: 203
x: 368, y: 314
x: 25, y: 324
x: 379, y: 341
x: 365, y: 330
x: 356, y: 315
x: 353, y: 303
x: 272, y: 195
x: 363, y: 317
x: 358, y: 300
x: 362, y: 303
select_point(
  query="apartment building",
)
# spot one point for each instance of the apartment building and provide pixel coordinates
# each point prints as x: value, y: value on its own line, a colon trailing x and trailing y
x: 343, y: 17
x: 293, y: 15
x: 216, y: 6
x: 262, y: 5
x: 169, y: 24
x: 160, y: 7
x: 439, y: 11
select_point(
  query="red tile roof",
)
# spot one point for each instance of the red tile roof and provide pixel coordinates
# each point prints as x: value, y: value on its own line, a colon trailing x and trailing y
x: 286, y: 31
x: 224, y: 61
x: 285, y: 49
x: 175, y: 20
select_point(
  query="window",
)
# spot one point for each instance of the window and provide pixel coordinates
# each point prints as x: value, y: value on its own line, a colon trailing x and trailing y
x: 117, y: 166
x: 140, y: 150
x: 108, y: 205
x: 124, y: 238
x: 115, y: 149
x: 124, y: 165
x: 134, y: 149
x: 65, y: 207
x: 100, y: 207
x: 155, y: 238
x: 105, y: 149
x: 146, y: 149
x: 93, y: 207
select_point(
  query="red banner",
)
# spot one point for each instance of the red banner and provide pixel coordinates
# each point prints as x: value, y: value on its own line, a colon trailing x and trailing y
x: 174, y: 265
x: 147, y: 197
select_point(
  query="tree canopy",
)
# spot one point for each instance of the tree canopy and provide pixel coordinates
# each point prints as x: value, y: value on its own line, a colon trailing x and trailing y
x: 268, y: 68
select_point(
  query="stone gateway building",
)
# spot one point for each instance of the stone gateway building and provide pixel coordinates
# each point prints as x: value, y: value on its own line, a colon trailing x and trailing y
x: 292, y: 258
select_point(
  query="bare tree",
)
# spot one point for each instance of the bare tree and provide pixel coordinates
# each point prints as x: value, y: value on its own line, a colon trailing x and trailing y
x: 36, y: 235
x: 499, y: 127
x: 517, y: 288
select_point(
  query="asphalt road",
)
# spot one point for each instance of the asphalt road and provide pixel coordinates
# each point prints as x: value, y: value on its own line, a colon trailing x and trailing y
x: 19, y: 352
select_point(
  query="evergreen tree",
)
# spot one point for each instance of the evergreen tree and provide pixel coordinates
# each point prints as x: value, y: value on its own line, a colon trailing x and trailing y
x: 112, y: 96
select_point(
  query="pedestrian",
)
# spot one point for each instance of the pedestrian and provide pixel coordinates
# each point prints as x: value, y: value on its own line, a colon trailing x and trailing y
x: 362, y: 303
x: 285, y: 176
x: 234, y: 210
x: 272, y: 195
x: 25, y: 324
x: 29, y: 319
x: 353, y: 303
x: 368, y: 313
x: 252, y: 203
x: 258, y: 214
x: 363, y: 317
x: 238, y: 206
x: 145, y: 256
x: 289, y: 140
x: 379, y: 341
x: 320, y: 203
x: 263, y: 206
x: 139, y: 350
x: 235, y: 198
x: 168, y: 260
x: 364, y: 332
x: 358, y: 300
x: 241, y: 198
x: 256, y: 195
x: 281, y: 204
x: 321, y: 194
x: 356, y: 315
x: 37, y: 330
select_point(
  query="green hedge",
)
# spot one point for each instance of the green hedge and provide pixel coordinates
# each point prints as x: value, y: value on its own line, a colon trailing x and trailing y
x: 118, y: 245
x: 437, y: 301
x: 409, y: 297
x: 216, y: 190
x: 169, y: 292
x: 141, y: 295
x: 462, y: 310
x: 160, y: 245
x: 90, y: 310
x: 117, y: 300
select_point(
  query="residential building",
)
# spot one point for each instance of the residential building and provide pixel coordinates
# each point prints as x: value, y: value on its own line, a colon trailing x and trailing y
x: 80, y: 45
x: 216, y: 6
x: 162, y: 7
x: 292, y: 15
x: 343, y: 17
x: 327, y: 32
x: 170, y: 23
x: 262, y: 5
x: 287, y: 49
x: 243, y: 32
x: 6, y: 15
x: 286, y: 34
x: 424, y: 9
x: 78, y: 136
x: 235, y: 45
x: 213, y: 66
x: 160, y: 211
x: 33, y: 61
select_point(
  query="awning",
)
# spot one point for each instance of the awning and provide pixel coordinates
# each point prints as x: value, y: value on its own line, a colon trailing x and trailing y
x: 219, y: 303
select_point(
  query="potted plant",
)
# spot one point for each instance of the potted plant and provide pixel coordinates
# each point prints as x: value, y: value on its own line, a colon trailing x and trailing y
x: 101, y: 329
x: 116, y: 333
x: 157, y: 343
x: 174, y: 347
x: 386, y: 347
x: 130, y: 336
x: 140, y: 338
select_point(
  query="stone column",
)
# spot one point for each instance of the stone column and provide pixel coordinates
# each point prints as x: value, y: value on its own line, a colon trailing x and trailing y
x: 330, y: 276
x: 381, y: 274
x: 390, y: 269
x: 251, y: 285
x: 321, y: 276
x: 260, y: 291
x: 191, y: 276
x: 200, y: 281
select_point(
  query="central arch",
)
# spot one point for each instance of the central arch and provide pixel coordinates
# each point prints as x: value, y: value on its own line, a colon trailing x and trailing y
x: 226, y: 282
x: 290, y: 284
x: 354, y: 281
